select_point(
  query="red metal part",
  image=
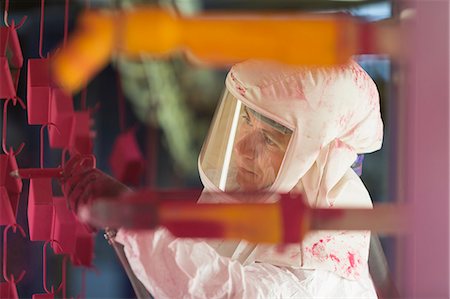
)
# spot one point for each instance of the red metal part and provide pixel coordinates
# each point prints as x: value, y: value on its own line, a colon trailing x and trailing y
x: 126, y: 160
x: 81, y: 139
x: 40, y: 209
x: 84, y: 248
x: 8, y: 290
x: 11, y: 60
x: 10, y: 278
x: 10, y: 46
x: 7, y: 215
x: 10, y: 189
x: 51, y: 290
x: 61, y: 115
x: 38, y: 91
x: 64, y: 227
x: 7, y: 89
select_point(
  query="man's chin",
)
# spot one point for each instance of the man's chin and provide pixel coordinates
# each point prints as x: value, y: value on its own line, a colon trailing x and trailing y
x: 246, y: 184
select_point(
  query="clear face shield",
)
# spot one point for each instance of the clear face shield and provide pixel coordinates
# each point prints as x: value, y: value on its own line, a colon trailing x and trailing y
x: 244, y: 149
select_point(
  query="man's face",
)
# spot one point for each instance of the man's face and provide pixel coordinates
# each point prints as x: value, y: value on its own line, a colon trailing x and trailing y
x: 259, y: 151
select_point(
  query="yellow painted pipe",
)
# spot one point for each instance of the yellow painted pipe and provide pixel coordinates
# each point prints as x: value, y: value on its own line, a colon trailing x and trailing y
x: 215, y: 39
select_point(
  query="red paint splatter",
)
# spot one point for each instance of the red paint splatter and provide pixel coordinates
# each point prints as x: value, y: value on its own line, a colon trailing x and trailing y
x: 238, y: 86
x: 335, y: 258
x: 351, y: 259
x: 240, y: 89
x: 317, y: 249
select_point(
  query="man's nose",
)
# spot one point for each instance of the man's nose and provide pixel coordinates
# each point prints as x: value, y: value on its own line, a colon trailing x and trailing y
x: 248, y: 146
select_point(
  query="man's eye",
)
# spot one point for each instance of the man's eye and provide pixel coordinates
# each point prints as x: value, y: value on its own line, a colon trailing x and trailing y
x: 269, y: 140
x: 247, y: 119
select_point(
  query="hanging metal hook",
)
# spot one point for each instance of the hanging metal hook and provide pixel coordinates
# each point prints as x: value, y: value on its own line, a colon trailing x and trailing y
x: 41, y: 29
x: 4, y: 130
x: 44, y: 268
x: 5, y: 17
x: 10, y: 278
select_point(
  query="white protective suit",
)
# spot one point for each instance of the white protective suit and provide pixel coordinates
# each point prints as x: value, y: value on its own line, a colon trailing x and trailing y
x: 334, y: 115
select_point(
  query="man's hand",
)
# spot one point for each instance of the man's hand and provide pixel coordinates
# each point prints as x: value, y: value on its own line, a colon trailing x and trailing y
x: 82, y: 183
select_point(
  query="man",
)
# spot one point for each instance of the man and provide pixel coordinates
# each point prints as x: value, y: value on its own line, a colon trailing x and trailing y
x: 277, y: 128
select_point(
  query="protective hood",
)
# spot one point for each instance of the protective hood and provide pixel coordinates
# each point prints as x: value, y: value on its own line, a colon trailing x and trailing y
x: 334, y: 114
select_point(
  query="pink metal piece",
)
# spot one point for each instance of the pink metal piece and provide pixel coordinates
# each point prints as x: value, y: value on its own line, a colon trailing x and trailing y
x: 38, y: 104
x: 7, y: 212
x: 10, y: 189
x: 39, y: 72
x: 14, y: 200
x: 5, y: 18
x: 9, y: 64
x: 12, y: 184
x: 43, y: 296
x: 61, y: 114
x: 7, y: 215
x: 126, y: 160
x: 7, y: 90
x: 9, y: 42
x: 30, y: 173
x: 41, y: 28
x: 41, y: 157
x: 8, y: 290
x: 6, y: 277
x: 55, y: 244
x: 84, y: 248
x: 64, y: 227
x: 81, y: 137
x: 13, y: 47
x: 40, y: 209
x: 38, y: 91
x: 4, y: 129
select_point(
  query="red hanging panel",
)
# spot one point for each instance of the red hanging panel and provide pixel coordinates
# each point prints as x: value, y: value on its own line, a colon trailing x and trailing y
x: 81, y: 137
x: 7, y: 90
x: 84, y: 248
x: 13, y: 184
x: 11, y: 60
x: 7, y: 215
x: 61, y: 114
x: 63, y: 228
x: 13, y: 49
x: 40, y: 209
x: 10, y: 189
x: 38, y: 91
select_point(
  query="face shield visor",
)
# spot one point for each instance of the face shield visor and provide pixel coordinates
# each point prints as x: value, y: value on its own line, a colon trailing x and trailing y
x: 244, y: 149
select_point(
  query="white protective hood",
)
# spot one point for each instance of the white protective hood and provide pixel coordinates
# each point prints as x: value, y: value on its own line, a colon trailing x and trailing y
x: 334, y: 114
